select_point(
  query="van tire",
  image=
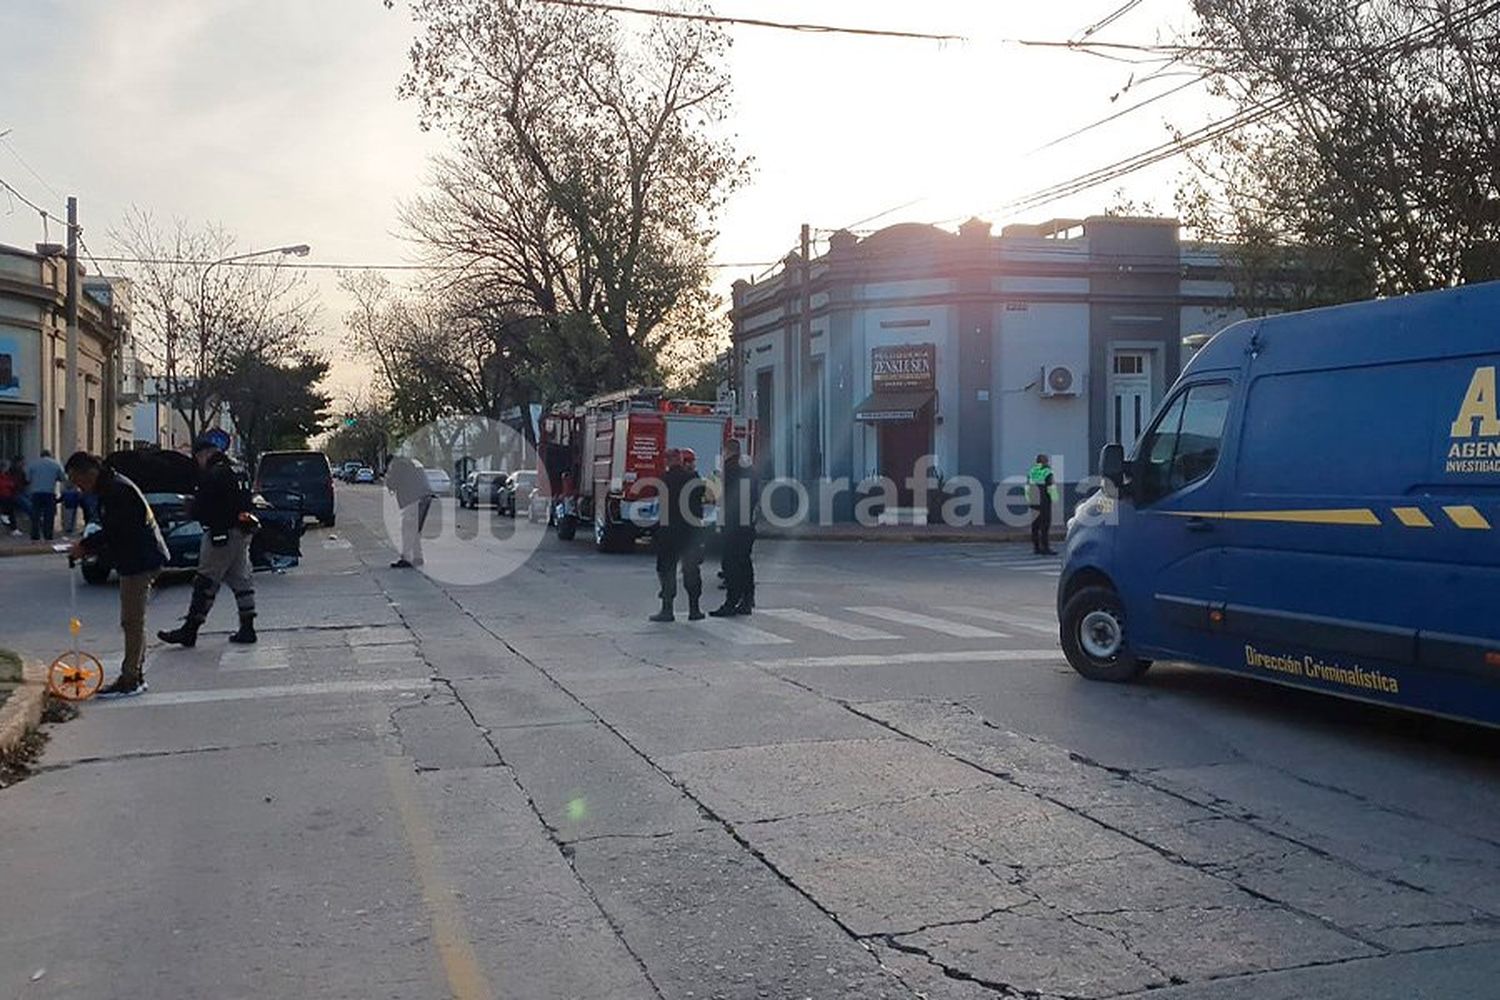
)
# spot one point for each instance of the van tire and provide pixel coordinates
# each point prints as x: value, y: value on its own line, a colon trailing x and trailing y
x: 1120, y: 667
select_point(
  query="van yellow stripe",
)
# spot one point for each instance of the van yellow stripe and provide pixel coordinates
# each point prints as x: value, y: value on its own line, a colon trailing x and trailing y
x: 1467, y: 517
x: 1354, y: 516
x: 1412, y: 517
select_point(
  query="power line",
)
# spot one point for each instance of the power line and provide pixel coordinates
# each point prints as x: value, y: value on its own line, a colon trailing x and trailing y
x: 754, y: 22
x: 1111, y: 18
x: 1248, y: 116
x: 332, y: 266
x: 1119, y: 114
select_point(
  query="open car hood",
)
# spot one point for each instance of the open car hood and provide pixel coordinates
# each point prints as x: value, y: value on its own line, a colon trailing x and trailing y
x: 156, y: 471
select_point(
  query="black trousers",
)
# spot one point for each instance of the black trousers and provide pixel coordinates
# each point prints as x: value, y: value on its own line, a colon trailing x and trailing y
x: 685, y: 551
x: 1041, y: 525
x: 739, y: 570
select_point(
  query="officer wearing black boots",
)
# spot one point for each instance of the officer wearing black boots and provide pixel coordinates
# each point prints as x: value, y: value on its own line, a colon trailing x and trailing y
x: 737, y: 527
x: 222, y: 506
x: 679, y: 534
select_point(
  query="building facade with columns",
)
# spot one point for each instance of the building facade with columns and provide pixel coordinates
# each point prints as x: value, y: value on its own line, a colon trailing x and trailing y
x: 34, y: 370
x: 975, y: 350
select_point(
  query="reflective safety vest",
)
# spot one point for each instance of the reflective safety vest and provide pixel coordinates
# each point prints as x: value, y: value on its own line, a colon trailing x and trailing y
x: 1035, y: 480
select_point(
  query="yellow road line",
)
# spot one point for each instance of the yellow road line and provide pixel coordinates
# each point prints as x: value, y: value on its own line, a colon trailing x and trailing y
x: 1412, y: 517
x: 1467, y: 517
x: 466, y: 980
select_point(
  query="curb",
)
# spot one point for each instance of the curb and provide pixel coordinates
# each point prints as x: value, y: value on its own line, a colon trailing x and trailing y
x: 23, y: 709
x: 27, y: 549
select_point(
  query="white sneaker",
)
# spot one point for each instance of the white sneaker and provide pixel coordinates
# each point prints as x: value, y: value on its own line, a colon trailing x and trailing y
x: 17, y: 533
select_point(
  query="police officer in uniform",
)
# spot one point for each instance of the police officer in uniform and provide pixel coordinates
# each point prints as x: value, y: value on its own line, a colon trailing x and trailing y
x: 679, y: 534
x: 737, y: 524
x: 222, y: 506
x: 1041, y: 492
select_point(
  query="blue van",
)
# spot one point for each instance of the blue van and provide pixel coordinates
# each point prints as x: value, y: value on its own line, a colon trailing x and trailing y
x: 1315, y: 503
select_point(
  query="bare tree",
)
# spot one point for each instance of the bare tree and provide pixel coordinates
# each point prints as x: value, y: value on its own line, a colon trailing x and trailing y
x: 590, y: 165
x: 198, y: 321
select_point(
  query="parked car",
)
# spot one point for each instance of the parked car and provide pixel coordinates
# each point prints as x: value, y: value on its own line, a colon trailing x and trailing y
x: 364, y: 474
x: 439, y: 482
x: 479, y: 487
x: 347, y: 471
x: 303, y: 472
x: 168, y: 479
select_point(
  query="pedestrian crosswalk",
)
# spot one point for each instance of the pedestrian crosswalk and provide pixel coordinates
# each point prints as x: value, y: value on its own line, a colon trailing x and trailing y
x: 784, y: 626
x: 1001, y: 557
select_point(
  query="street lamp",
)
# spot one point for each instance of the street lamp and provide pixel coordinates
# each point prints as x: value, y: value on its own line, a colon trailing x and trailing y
x: 292, y: 250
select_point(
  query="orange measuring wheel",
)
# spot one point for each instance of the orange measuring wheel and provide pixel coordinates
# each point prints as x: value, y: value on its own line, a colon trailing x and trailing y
x: 75, y: 676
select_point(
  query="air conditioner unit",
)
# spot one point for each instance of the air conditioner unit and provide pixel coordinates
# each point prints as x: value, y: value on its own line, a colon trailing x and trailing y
x: 1059, y: 380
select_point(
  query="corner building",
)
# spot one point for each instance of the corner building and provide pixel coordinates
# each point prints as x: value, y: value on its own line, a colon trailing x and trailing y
x: 977, y: 350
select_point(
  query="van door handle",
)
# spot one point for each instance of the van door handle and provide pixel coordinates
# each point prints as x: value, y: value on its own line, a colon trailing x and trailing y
x: 1199, y: 524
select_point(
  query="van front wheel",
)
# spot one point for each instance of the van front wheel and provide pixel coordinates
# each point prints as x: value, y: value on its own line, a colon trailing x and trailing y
x: 1094, y: 638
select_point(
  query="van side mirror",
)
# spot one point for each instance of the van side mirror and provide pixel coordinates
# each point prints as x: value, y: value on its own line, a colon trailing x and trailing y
x: 1112, y: 464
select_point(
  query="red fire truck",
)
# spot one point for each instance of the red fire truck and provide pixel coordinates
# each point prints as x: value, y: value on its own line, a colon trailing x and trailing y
x: 601, y: 459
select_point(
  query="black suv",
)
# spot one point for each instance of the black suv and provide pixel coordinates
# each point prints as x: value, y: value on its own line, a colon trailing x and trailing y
x: 304, y: 472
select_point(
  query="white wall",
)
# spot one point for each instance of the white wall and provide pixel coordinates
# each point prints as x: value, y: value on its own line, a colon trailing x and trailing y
x: 1041, y: 335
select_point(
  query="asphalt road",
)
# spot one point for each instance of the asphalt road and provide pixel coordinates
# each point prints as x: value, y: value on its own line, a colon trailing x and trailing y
x: 885, y: 783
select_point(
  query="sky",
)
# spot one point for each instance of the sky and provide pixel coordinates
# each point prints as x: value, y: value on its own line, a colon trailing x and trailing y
x: 279, y: 120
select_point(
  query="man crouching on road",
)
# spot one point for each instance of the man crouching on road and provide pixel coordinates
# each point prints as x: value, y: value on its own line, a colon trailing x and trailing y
x: 129, y: 536
x: 223, y: 507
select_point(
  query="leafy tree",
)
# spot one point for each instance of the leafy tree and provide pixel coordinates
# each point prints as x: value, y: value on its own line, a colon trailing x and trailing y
x: 274, y: 404
x: 1369, y: 162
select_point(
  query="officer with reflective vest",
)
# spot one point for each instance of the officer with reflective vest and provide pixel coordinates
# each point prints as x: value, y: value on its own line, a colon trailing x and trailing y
x: 1041, y: 493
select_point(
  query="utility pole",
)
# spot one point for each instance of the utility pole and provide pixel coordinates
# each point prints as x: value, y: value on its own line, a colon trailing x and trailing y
x: 69, y: 430
x: 807, y: 446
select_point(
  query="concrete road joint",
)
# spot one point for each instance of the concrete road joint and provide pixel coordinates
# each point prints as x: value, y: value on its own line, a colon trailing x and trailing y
x: 1213, y: 871
x: 708, y: 812
x: 562, y: 847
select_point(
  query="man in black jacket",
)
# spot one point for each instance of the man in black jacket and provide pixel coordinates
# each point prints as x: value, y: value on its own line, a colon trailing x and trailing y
x: 131, y: 539
x: 222, y: 506
x: 679, y: 532
x: 737, y: 523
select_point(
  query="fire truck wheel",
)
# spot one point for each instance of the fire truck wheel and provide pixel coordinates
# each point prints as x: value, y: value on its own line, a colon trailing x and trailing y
x: 567, y: 527
x: 613, y: 537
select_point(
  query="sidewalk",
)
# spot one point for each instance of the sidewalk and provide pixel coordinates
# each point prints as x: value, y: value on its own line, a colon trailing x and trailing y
x: 24, y: 546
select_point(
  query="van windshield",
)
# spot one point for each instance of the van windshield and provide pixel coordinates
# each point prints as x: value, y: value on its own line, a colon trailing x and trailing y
x: 1184, y: 446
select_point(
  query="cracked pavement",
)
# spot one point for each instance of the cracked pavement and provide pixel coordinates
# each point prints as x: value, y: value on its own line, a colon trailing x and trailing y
x: 523, y: 789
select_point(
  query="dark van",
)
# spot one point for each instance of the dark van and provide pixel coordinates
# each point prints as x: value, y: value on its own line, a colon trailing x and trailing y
x: 306, y: 473
x: 1316, y: 503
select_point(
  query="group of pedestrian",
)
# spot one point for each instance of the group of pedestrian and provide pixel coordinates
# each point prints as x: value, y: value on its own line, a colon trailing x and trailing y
x: 132, y: 541
x: 681, y: 534
x: 37, y: 490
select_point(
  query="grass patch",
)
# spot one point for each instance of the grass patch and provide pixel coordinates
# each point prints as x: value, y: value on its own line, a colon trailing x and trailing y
x: 10, y: 673
x: 10, y: 667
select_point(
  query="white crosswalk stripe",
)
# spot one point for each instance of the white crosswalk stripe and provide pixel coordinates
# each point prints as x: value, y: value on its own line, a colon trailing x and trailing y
x: 822, y: 623
x: 959, y: 630
x: 744, y: 635
x: 1022, y: 622
x: 891, y: 659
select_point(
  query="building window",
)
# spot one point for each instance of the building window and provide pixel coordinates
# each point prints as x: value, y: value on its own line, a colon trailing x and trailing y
x: 1129, y: 364
x: 93, y: 416
x: 12, y: 437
